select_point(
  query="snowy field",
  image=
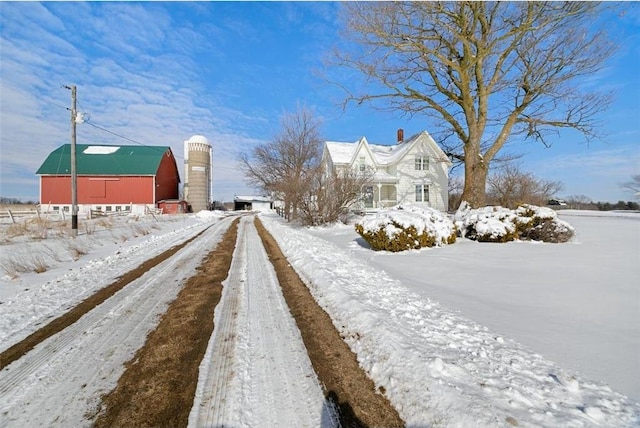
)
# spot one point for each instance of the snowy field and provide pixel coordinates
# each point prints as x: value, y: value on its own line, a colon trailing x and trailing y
x: 577, y: 303
x: 471, y: 334
x: 476, y: 333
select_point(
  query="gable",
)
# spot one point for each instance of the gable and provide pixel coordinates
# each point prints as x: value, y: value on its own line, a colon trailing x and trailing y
x: 340, y: 153
x: 105, y: 160
x: 421, y: 143
x: 381, y: 155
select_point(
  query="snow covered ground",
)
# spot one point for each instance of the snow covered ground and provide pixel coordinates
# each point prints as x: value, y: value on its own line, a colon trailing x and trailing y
x: 528, y: 331
x: 61, y: 380
x: 577, y: 303
x: 256, y: 371
x: 470, y: 334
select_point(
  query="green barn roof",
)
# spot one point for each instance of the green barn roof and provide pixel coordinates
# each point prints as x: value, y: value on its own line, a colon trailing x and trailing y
x: 104, y: 160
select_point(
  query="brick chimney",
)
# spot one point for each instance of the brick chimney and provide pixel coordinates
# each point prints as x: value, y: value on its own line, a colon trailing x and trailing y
x: 400, y: 135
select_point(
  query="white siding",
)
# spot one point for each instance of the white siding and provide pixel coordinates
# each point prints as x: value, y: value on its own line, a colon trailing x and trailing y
x: 436, y: 176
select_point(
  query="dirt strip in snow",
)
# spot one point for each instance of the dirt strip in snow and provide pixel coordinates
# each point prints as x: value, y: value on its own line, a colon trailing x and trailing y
x: 159, y: 383
x: 60, y: 381
x: 256, y: 372
x: 345, y: 382
x: 60, y: 323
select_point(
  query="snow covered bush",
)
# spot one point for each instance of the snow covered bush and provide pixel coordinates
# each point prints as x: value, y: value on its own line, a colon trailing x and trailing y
x: 499, y: 224
x: 486, y: 224
x: 541, y: 224
x: 406, y: 227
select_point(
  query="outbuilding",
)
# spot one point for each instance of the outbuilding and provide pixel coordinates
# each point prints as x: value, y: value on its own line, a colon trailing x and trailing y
x: 252, y: 203
x: 109, y: 178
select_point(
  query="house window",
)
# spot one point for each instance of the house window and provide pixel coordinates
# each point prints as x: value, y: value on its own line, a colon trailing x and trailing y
x: 363, y: 166
x: 422, y: 163
x: 422, y: 193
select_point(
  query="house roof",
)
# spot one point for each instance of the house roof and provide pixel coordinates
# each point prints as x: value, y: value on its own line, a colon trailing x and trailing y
x: 105, y: 160
x: 252, y: 199
x: 343, y: 153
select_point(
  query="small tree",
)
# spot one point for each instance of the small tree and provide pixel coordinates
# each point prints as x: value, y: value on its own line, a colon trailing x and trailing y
x: 456, y: 185
x: 580, y: 202
x: 287, y: 165
x: 510, y: 187
x: 332, y: 195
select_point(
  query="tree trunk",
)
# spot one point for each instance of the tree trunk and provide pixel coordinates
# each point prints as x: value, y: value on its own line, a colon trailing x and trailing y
x: 475, y: 180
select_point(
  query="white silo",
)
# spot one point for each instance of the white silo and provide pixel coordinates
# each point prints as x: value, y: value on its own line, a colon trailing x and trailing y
x: 197, y: 172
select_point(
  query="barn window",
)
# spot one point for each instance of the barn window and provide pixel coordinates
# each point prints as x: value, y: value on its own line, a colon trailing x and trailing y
x: 66, y: 209
x: 108, y: 207
x: 118, y: 208
x: 56, y: 208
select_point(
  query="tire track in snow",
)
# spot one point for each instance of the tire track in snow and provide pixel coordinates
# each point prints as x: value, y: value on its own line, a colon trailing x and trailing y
x: 60, y: 381
x: 256, y: 371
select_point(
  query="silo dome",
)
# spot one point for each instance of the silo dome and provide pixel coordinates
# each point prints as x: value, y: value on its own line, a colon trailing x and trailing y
x: 198, y: 139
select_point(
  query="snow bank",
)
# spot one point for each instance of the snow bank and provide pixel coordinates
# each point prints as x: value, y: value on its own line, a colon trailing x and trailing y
x: 206, y: 214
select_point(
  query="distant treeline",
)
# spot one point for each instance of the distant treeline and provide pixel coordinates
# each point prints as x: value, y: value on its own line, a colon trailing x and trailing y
x: 15, y: 201
x: 620, y: 205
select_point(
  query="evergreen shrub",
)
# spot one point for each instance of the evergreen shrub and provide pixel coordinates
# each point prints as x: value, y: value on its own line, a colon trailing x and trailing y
x: 406, y: 228
x: 498, y: 224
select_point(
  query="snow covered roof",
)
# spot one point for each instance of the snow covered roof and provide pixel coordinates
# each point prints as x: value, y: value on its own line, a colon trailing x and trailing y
x: 252, y: 199
x: 198, y: 139
x: 343, y: 153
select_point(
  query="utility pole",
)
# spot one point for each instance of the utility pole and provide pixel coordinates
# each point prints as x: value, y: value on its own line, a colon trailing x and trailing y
x: 74, y: 175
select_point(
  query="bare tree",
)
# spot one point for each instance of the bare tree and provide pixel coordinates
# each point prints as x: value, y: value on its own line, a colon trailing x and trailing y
x: 510, y: 187
x: 580, y: 202
x: 485, y: 71
x: 287, y: 164
x: 456, y: 186
x: 333, y: 193
x: 633, y: 185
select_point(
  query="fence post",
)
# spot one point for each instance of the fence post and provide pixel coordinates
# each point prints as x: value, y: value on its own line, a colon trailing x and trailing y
x: 11, y: 216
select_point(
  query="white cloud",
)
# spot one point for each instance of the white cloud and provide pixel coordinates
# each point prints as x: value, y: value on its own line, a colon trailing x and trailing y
x: 138, y: 75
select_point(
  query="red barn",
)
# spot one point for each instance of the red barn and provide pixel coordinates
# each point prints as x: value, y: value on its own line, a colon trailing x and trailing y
x: 110, y: 178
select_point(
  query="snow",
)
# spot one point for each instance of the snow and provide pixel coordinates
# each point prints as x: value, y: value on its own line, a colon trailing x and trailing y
x: 61, y: 380
x: 252, y: 341
x: 100, y: 150
x: 469, y: 334
x: 547, y: 334
x: 423, y: 219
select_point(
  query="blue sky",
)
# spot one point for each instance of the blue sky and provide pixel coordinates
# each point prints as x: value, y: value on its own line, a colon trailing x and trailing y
x: 158, y: 73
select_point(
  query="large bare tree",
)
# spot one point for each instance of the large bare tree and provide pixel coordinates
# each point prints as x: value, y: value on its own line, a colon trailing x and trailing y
x: 485, y: 71
x: 286, y: 165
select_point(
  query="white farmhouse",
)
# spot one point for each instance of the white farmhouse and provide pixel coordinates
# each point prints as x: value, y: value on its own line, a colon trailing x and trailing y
x: 413, y: 171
